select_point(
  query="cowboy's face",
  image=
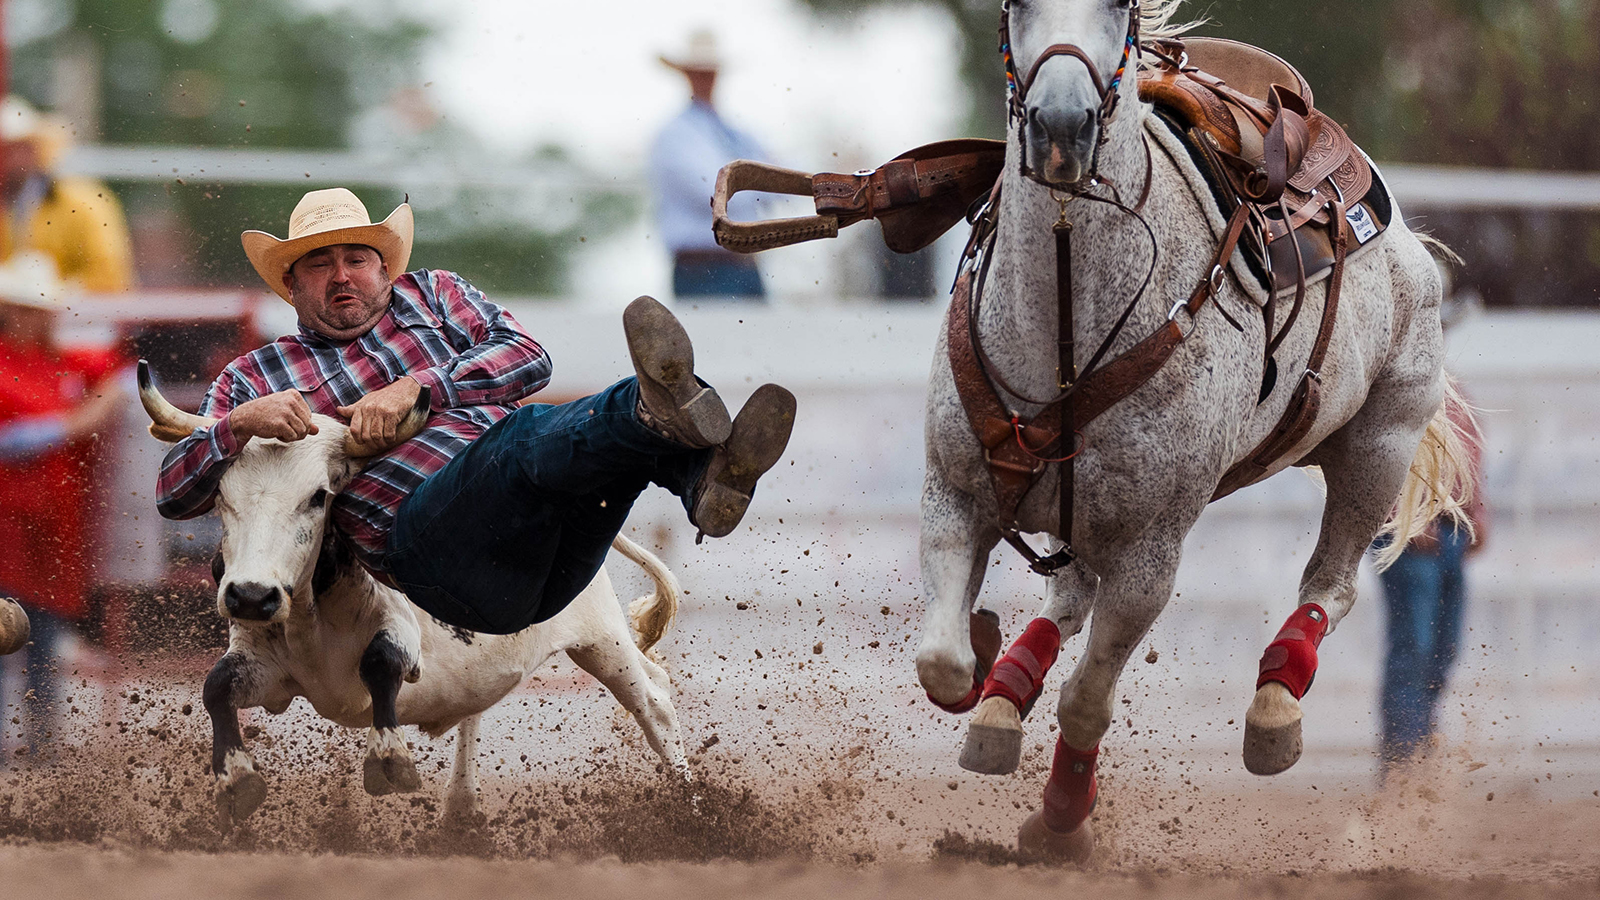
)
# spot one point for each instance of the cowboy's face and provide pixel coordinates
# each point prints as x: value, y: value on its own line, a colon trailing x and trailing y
x: 339, y: 291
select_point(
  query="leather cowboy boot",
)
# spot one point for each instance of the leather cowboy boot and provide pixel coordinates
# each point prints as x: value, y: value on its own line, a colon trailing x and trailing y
x: 760, y: 434
x: 672, y: 402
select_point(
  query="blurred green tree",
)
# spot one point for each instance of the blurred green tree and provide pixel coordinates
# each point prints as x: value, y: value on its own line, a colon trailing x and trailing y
x: 263, y: 74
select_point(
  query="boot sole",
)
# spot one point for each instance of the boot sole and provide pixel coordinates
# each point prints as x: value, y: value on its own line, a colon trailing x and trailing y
x: 662, y: 354
x: 759, y: 436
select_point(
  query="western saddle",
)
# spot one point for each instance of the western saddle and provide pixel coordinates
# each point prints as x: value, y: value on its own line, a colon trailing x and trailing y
x: 1288, y: 173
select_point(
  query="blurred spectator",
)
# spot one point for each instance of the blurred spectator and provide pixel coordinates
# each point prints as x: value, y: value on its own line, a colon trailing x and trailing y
x: 52, y: 403
x: 76, y: 221
x: 684, y: 160
x: 1424, y: 593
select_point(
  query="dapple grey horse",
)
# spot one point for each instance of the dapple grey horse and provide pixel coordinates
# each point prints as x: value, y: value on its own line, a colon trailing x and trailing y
x: 1149, y: 465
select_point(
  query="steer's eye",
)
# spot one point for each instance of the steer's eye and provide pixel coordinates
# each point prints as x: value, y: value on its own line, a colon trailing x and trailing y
x: 317, y: 499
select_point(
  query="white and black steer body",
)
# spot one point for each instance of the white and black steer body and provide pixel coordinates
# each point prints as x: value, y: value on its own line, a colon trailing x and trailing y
x: 306, y: 620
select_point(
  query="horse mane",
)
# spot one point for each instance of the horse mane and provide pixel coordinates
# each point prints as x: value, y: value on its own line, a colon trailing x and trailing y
x: 1156, y: 20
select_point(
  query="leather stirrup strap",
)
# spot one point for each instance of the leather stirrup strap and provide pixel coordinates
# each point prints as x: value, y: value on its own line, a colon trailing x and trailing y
x: 1301, y: 413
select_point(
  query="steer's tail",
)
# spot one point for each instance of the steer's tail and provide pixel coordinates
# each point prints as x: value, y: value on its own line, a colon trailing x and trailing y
x: 1442, y: 477
x: 652, y: 614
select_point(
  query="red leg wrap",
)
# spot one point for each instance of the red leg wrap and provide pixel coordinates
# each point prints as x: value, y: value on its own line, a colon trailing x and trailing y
x: 1070, y: 793
x: 965, y: 704
x: 1291, y: 658
x: 1019, y: 675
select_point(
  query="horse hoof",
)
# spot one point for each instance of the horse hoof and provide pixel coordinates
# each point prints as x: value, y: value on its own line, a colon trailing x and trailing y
x: 1272, y: 741
x: 238, y: 797
x: 14, y: 628
x: 994, y: 739
x: 1035, y: 841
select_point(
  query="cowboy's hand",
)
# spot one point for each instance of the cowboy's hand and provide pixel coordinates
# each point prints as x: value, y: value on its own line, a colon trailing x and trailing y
x: 375, y: 418
x: 283, y: 415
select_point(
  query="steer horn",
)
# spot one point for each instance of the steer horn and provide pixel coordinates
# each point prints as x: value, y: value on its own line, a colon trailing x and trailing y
x: 167, y: 422
x: 408, y: 428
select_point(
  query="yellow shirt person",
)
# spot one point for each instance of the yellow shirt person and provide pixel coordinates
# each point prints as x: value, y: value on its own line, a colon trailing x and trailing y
x: 75, y: 221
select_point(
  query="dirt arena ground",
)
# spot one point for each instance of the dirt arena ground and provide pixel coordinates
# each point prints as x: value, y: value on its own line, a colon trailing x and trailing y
x: 823, y: 795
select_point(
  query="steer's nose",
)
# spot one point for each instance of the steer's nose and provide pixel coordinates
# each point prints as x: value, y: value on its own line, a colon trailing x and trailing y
x: 250, y: 601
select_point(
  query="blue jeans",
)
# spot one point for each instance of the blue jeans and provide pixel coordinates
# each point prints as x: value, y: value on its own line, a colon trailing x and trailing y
x: 518, y: 523
x: 734, y: 278
x: 40, y: 715
x: 1424, y: 594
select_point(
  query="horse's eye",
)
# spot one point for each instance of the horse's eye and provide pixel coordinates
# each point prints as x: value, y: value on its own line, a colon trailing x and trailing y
x: 317, y: 499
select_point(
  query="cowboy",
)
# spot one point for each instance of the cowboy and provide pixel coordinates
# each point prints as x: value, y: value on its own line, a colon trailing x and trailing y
x: 684, y: 159
x: 495, y: 516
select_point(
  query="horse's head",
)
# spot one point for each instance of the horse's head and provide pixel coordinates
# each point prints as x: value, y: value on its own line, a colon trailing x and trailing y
x: 274, y: 502
x: 1069, y: 63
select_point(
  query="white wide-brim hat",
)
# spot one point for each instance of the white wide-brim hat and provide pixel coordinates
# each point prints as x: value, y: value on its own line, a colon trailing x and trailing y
x: 324, y: 218
x: 29, y: 278
x: 700, y: 55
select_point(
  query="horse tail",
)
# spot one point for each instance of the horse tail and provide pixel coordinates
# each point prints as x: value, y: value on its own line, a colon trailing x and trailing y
x: 1442, y: 478
x: 651, y: 614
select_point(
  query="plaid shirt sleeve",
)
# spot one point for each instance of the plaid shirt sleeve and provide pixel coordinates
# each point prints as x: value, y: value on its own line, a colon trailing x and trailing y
x: 498, y: 363
x: 191, y: 470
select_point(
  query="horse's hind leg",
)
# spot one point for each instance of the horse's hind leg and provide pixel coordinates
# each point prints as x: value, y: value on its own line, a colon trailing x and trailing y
x: 1364, y: 464
x: 994, y: 736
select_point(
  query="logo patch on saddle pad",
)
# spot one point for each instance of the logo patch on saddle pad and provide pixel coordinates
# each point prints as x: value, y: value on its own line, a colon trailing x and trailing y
x: 1361, y: 223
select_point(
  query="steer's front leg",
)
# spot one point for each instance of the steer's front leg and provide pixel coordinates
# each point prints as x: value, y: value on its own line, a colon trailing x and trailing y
x: 235, y: 682
x: 388, y: 767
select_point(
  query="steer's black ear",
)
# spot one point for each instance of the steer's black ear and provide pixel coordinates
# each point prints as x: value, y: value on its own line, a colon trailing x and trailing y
x: 218, y: 567
x: 332, y: 562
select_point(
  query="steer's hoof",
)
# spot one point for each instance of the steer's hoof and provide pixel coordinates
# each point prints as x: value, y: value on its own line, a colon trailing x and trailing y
x: 1272, y: 740
x: 390, y: 775
x: 994, y: 739
x: 1035, y: 841
x: 238, y: 796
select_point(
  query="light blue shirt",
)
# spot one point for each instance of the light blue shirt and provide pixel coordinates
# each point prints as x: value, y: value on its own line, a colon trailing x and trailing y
x: 684, y: 161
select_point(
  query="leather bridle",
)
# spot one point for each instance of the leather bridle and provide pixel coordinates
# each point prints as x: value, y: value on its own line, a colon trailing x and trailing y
x: 1017, y: 88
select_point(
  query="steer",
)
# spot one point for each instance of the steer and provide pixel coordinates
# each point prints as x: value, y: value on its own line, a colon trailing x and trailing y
x: 306, y: 620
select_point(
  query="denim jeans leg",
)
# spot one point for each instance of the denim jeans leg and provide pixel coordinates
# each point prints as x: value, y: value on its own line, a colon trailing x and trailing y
x: 1410, y: 593
x: 513, y: 528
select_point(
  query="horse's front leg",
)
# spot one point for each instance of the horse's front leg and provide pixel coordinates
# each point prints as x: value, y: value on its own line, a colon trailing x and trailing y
x: 994, y: 737
x: 237, y: 681
x: 1131, y: 594
x: 388, y: 767
x: 958, y: 646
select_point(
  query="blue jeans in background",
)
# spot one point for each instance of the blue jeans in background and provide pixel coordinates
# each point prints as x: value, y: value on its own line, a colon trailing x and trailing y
x: 1425, y: 598
x: 517, y: 524
x: 714, y: 275
x: 40, y: 715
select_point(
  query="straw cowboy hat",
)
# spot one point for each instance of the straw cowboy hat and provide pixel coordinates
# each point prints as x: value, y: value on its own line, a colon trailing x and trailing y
x: 29, y: 278
x: 699, y: 56
x: 322, y: 219
x: 20, y: 122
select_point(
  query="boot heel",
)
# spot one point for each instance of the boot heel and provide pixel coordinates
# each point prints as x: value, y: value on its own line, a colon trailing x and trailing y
x: 707, y: 415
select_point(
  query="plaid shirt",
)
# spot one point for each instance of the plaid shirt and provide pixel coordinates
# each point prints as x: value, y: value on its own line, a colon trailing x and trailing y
x: 474, y: 357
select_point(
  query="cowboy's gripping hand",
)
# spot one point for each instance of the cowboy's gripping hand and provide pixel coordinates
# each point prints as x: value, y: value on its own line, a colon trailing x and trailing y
x: 375, y: 418
x: 283, y: 415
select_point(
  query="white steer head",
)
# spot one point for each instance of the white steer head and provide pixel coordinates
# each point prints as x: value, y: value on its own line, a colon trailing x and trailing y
x: 274, y: 503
